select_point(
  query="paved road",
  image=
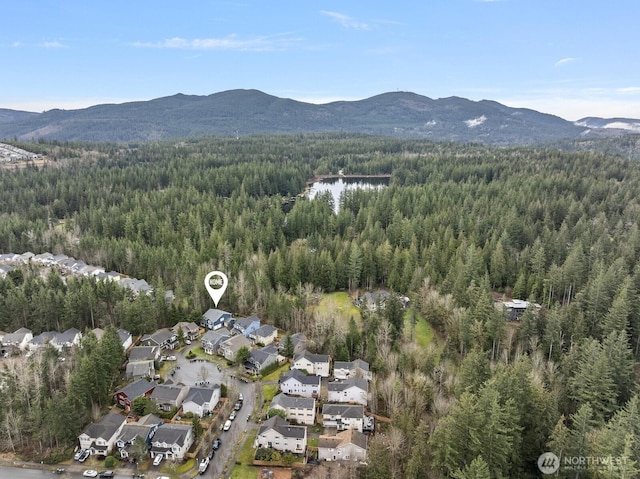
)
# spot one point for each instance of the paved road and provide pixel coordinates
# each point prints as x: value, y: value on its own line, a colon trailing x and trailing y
x: 20, y: 473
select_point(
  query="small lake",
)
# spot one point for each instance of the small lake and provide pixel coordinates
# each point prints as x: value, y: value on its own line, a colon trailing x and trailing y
x: 337, y: 185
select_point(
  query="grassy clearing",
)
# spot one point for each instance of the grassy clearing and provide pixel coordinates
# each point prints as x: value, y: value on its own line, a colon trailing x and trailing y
x: 245, y: 470
x: 423, y: 333
x: 274, y: 376
x: 340, y: 306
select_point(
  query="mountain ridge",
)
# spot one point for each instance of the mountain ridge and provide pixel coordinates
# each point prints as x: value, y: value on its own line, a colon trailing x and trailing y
x: 250, y: 111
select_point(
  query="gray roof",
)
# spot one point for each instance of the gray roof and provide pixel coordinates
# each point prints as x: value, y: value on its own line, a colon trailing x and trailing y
x: 344, y: 410
x: 349, y: 436
x: 356, y: 363
x: 236, y: 342
x: 314, y: 358
x: 68, y: 336
x: 348, y: 383
x: 260, y: 356
x: 106, y: 428
x: 138, y: 353
x: 214, y: 314
x: 288, y: 402
x: 139, y: 368
x: 300, y: 377
x: 201, y: 395
x: 159, y: 337
x: 246, y: 322
x: 124, y: 335
x: 266, y: 330
x: 16, y: 337
x: 43, y: 338
x: 283, y: 427
x: 137, y: 388
x: 216, y: 337
x: 164, y: 392
x: 172, y: 434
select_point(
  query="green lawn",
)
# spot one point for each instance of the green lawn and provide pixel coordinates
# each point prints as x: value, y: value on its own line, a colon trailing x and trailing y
x: 340, y: 306
x: 245, y: 470
x: 269, y: 391
x: 274, y: 376
x: 423, y: 333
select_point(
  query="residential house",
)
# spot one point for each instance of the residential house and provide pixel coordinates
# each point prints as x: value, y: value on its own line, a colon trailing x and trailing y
x: 42, y: 339
x: 246, y: 326
x: 230, y: 347
x: 137, y: 286
x: 125, y: 338
x: 297, y: 383
x: 71, y: 337
x: 142, y: 353
x: 100, y: 437
x: 514, y: 309
x: 352, y: 390
x: 373, y: 300
x: 201, y: 401
x: 42, y: 258
x: 348, y: 445
x: 143, y: 429
x: 299, y: 410
x: 165, y: 338
x: 214, y: 318
x: 190, y: 330
x: 343, y: 416
x: 172, y: 440
x: 276, y: 433
x: 211, y: 340
x: 265, y: 335
x: 261, y: 358
x: 140, y: 369
x: 19, y: 339
x: 299, y: 342
x: 168, y: 395
x: 351, y: 369
x: 317, y: 364
x: 139, y: 388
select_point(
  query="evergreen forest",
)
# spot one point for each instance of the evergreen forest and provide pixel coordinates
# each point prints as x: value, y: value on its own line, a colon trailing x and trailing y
x: 458, y: 227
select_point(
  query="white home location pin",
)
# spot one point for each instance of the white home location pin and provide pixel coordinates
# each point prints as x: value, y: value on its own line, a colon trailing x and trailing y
x: 220, y: 281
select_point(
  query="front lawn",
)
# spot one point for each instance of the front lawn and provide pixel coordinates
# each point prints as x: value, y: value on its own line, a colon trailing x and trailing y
x: 243, y: 468
x: 274, y: 376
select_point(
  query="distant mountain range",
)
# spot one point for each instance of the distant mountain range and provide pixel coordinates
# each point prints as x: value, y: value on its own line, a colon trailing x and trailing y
x: 245, y: 112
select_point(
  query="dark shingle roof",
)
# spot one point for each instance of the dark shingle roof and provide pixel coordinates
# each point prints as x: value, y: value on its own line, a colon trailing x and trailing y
x: 288, y: 402
x: 348, y: 383
x: 172, y: 434
x: 300, y: 377
x: 283, y: 427
x: 137, y: 388
x: 344, y: 410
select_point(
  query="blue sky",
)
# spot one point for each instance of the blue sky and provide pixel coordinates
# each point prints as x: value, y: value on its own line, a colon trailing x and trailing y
x: 567, y: 57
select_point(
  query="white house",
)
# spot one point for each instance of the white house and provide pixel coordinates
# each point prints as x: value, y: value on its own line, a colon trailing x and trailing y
x: 266, y: 334
x: 200, y: 400
x: 211, y: 340
x: 125, y: 338
x: 172, y: 440
x: 99, y: 438
x: 351, y: 369
x: 299, y: 410
x: 190, y: 330
x: 348, y: 445
x: 142, y: 429
x: 20, y: 339
x: 316, y: 364
x: 343, y: 416
x: 353, y: 390
x: 276, y: 433
x: 297, y: 383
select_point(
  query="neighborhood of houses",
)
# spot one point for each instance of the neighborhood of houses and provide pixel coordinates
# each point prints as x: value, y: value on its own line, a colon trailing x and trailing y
x: 314, y: 391
x: 12, y: 153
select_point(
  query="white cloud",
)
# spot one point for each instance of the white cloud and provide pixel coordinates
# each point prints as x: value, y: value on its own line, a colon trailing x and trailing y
x: 629, y: 90
x: 564, y: 61
x: 17, y: 44
x: 231, y: 42
x: 346, y: 21
x: 53, y: 44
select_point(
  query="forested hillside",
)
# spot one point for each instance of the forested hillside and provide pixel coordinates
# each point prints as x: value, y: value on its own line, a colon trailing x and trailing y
x: 456, y: 224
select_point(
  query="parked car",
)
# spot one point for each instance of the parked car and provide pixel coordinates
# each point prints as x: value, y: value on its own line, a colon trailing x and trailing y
x: 60, y: 470
x: 85, y: 455
x: 216, y: 444
x: 237, y: 406
x: 157, y: 460
x: 241, y: 398
x: 232, y: 416
x: 106, y: 474
x: 78, y: 455
x: 90, y: 473
x: 211, y: 453
x: 227, y: 425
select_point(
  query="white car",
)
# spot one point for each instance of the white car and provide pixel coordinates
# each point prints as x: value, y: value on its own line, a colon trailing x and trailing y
x: 157, y: 460
x: 227, y: 425
x: 90, y: 473
x: 232, y: 416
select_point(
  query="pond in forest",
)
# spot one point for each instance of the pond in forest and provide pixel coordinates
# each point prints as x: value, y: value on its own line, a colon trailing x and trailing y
x: 336, y: 185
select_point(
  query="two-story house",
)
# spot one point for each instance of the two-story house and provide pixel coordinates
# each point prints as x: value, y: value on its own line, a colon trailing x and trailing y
x: 230, y: 347
x: 164, y: 338
x: 348, y: 445
x: 300, y: 410
x: 190, y: 330
x: 264, y: 335
x: 343, y: 416
x: 99, y: 438
x: 168, y: 395
x: 246, y: 326
x: 139, y: 388
x: 141, y: 430
x: 260, y: 359
x: 172, y: 441
x: 200, y: 400
x: 297, y: 383
x: 353, y: 390
x: 214, y: 318
x: 316, y: 364
x: 276, y: 433
x: 211, y: 340
x: 351, y: 369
